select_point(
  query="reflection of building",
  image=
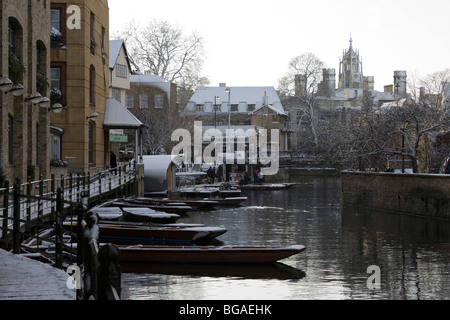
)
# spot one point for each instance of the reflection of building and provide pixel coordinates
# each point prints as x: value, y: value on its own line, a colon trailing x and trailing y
x: 24, y: 64
x: 80, y: 80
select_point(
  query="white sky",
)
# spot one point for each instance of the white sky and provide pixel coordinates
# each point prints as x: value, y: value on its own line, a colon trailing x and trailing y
x: 250, y: 42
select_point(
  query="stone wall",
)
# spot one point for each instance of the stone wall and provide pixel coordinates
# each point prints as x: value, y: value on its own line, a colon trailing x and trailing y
x: 417, y: 194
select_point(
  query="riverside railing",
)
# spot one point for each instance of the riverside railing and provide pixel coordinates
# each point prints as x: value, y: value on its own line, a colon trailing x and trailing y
x: 29, y: 204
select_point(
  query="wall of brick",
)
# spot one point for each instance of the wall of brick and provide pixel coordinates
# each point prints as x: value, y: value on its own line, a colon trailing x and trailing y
x: 417, y: 194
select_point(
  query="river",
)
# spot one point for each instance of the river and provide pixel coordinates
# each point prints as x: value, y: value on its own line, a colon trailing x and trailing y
x: 350, y: 253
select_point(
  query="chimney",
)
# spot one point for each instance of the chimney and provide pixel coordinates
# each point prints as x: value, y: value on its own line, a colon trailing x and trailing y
x: 265, y: 99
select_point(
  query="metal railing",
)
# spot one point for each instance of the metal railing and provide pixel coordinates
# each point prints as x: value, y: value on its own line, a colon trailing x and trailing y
x: 37, y: 200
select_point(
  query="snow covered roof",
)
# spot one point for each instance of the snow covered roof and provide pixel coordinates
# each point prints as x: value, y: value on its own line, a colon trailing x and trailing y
x: 146, y: 78
x: 114, y: 50
x: 119, y: 117
x: 156, y: 172
x: 238, y: 95
x: 151, y: 80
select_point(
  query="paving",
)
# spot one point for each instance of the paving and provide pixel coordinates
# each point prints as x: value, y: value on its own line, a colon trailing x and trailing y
x: 22, y: 278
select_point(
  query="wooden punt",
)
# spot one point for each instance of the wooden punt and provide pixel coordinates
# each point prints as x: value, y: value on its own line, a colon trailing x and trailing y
x: 207, y: 254
x: 131, y: 234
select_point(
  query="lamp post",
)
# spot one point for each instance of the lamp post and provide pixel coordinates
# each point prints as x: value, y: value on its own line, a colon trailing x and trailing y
x: 215, y: 110
x: 229, y: 106
x: 403, y: 128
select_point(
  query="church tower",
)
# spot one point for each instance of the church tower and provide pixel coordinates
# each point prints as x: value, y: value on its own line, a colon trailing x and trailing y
x: 350, y: 69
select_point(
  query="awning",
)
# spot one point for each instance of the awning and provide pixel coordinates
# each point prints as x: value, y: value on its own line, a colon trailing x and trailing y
x: 159, y: 173
x: 118, y: 117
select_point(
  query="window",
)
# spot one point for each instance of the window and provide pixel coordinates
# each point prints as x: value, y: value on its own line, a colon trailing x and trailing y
x: 103, y: 44
x: 56, y: 147
x: 234, y: 107
x: 116, y: 94
x: 10, y: 139
x: 12, y: 39
x: 57, y: 83
x: 92, y: 86
x: 92, y: 37
x: 143, y: 101
x: 199, y: 107
x: 56, y: 26
x: 251, y: 107
x: 37, y: 143
x: 121, y: 71
x: 159, y: 101
x: 129, y: 101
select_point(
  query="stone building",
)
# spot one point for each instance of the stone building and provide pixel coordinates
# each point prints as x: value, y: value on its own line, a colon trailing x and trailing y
x: 25, y: 70
x: 339, y: 94
x: 80, y: 80
x: 154, y: 102
x: 239, y: 106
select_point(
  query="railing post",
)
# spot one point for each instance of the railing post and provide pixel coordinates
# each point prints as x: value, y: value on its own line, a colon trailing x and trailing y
x: 52, y: 190
x: 29, y: 186
x: 16, y: 219
x: 5, y: 214
x: 58, y: 228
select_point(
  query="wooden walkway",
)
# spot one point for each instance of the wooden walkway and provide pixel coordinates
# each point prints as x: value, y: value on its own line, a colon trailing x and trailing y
x: 22, y: 278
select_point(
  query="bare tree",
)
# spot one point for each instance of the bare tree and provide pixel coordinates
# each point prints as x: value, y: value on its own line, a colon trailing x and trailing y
x: 163, y: 50
x: 300, y: 85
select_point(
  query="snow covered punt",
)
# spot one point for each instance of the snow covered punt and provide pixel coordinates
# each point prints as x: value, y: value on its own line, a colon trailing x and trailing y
x: 159, y: 173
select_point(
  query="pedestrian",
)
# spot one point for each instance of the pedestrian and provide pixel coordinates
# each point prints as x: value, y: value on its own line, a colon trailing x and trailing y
x: 260, y: 177
x: 447, y: 166
x: 220, y: 173
x: 113, y: 162
x: 255, y: 176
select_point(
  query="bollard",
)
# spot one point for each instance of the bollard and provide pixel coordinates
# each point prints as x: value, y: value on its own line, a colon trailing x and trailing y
x: 109, y: 273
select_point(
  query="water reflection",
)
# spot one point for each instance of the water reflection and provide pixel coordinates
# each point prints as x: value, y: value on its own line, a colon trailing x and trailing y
x: 342, y: 242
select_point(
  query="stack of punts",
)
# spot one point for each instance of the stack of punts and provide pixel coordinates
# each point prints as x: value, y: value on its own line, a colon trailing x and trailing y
x: 115, y: 211
x: 133, y: 233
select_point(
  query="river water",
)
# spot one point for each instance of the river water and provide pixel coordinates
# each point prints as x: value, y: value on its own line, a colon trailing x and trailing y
x: 350, y: 253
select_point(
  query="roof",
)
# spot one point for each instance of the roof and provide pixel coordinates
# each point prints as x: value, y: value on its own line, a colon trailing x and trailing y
x: 151, y: 80
x: 114, y: 50
x: 156, y: 172
x: 119, y: 117
x: 249, y: 95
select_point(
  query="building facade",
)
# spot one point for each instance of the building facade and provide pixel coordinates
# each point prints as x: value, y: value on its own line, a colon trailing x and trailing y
x: 80, y: 79
x: 25, y: 70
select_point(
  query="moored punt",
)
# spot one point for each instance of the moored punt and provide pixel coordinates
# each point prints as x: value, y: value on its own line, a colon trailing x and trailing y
x: 148, y: 215
x: 266, y: 186
x: 177, y: 209
x: 207, y: 254
x: 230, y: 201
x: 195, y: 203
x: 121, y: 233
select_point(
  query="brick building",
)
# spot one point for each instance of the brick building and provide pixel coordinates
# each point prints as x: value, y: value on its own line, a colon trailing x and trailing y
x: 25, y: 68
x: 80, y: 80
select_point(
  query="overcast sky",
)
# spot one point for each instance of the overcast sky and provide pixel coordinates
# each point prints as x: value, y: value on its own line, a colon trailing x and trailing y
x: 250, y: 42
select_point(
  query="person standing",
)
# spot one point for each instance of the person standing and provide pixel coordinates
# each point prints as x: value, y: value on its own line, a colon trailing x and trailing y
x: 113, y: 162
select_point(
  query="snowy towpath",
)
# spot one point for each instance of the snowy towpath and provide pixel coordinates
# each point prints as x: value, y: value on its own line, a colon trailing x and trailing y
x: 22, y: 278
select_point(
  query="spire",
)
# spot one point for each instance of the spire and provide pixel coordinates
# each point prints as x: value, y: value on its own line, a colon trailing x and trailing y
x: 351, y: 41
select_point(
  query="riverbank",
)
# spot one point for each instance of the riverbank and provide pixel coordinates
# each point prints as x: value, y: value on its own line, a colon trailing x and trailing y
x: 425, y: 195
x: 22, y: 278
